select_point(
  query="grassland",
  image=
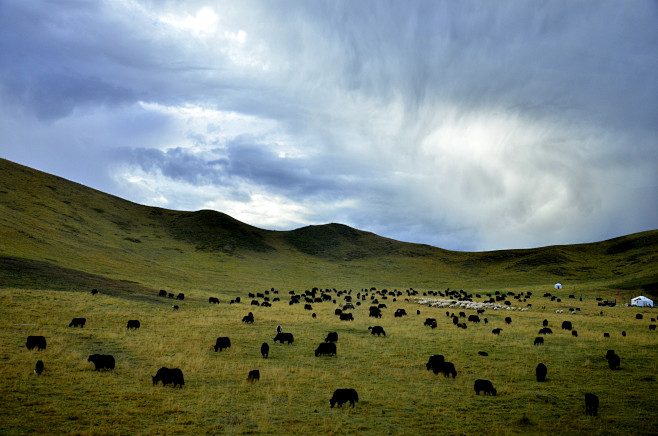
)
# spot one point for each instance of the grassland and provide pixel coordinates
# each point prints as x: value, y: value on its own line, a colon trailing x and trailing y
x: 397, y: 394
x: 59, y: 239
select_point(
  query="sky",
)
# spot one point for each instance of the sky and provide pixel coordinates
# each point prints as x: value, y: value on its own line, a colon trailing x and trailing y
x: 466, y: 125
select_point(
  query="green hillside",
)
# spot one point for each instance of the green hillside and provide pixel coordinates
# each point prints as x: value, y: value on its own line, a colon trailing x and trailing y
x: 56, y: 231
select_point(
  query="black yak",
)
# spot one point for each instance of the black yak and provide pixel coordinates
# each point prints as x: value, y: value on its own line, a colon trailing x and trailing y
x: 540, y: 372
x: 284, y: 337
x: 342, y: 396
x: 38, y: 342
x: 169, y: 375
x: 222, y: 343
x: 591, y: 404
x: 102, y: 361
x: 78, y: 322
x: 326, y: 349
x: 254, y: 375
x: 484, y: 386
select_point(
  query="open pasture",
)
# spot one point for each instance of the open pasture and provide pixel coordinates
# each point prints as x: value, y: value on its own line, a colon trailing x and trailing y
x: 397, y: 395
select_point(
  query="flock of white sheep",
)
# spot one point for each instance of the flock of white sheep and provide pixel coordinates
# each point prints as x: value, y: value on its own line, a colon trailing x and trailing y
x: 472, y: 305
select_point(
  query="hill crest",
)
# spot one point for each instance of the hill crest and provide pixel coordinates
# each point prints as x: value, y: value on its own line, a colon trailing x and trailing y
x: 50, y: 219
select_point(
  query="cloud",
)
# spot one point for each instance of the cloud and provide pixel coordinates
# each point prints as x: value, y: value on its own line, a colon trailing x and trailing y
x: 466, y: 125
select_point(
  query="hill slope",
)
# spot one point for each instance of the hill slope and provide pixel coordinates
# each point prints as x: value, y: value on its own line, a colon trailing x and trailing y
x: 58, y: 227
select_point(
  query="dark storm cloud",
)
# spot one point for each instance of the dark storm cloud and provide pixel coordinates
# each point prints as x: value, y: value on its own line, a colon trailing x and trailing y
x: 246, y: 160
x: 468, y: 125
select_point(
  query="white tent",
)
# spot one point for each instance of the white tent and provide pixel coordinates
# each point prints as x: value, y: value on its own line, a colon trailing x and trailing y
x: 641, y: 302
x: 558, y: 286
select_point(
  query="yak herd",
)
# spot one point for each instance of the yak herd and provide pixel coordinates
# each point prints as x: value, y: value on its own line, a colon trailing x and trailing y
x: 346, y: 301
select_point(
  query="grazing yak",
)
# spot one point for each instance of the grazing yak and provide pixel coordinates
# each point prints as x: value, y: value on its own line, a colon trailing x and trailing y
x: 78, y: 322
x: 652, y: 327
x: 448, y: 369
x: 346, y: 317
x: 545, y: 323
x: 265, y: 350
x: 508, y: 320
x: 133, y: 324
x: 613, y: 360
x: 435, y: 363
x: 400, y: 313
x: 38, y: 369
x: 284, y: 337
x: 162, y: 293
x: 222, y: 343
x: 94, y: 291
x: 591, y: 404
x: 484, y: 386
x: 377, y: 330
x: 325, y: 349
x: 254, y: 375
x: 180, y: 296
x: 496, y: 331
x: 545, y: 331
x: 566, y: 325
x: 473, y: 318
x: 169, y: 375
x: 574, y: 333
x: 102, y: 361
x: 175, y: 307
x: 213, y: 300
x: 375, y: 312
x: 331, y: 337
x: 483, y: 353
x: 539, y: 341
x: 342, y: 396
x: 38, y: 342
x: 540, y: 372
x: 429, y: 321
x: 248, y: 319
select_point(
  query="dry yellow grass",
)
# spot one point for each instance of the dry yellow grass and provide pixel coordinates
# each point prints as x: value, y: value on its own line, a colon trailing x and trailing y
x: 397, y: 394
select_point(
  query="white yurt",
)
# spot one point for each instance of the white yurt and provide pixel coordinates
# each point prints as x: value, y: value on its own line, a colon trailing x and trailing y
x: 558, y: 286
x: 641, y: 301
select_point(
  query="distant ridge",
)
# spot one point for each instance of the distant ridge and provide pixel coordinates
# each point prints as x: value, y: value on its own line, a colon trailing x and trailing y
x: 51, y: 220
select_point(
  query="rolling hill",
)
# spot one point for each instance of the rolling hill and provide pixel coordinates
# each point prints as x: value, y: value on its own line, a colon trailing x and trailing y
x: 57, y: 234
